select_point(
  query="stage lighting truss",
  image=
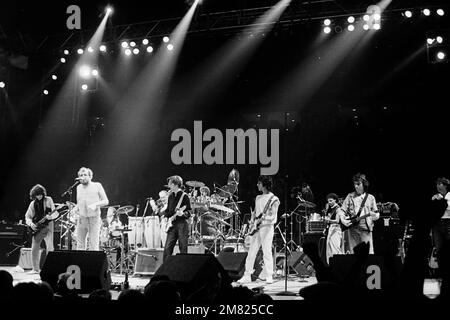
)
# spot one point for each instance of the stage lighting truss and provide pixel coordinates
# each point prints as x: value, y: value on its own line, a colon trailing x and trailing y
x: 438, y: 47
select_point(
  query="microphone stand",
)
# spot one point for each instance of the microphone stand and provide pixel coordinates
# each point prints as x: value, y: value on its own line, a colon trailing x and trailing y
x: 286, y: 292
x: 69, y: 191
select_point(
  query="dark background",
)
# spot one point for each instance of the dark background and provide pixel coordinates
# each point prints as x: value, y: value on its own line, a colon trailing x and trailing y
x: 399, y: 139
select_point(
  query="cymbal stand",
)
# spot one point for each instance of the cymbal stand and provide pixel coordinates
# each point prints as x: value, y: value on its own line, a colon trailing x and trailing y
x: 291, y: 242
x: 143, y: 227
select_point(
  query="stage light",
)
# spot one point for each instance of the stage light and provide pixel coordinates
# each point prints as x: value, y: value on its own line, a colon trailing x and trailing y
x: 109, y: 10
x: 90, y: 49
x: 45, y: 92
x: 377, y: 16
x: 439, y: 39
x: 66, y: 52
x: 376, y: 26
x: 149, y: 49
x: 440, y: 12
x: 326, y: 22
x: 426, y: 12
x: 2, y: 84
x: 84, y: 72
x: 80, y: 51
x: 170, y: 47
x: 84, y: 87
x: 350, y: 27
x: 351, y: 19
x: 166, y: 39
x: 132, y: 44
x: 440, y: 55
x: 54, y: 77
x: 94, y: 72
x: 124, y: 44
x: 145, y: 42
x: 127, y: 52
x: 366, y: 26
x: 102, y: 48
x: 408, y: 14
x: 327, y: 30
x: 430, y: 41
x: 366, y: 17
x: 63, y: 60
x: 136, y: 51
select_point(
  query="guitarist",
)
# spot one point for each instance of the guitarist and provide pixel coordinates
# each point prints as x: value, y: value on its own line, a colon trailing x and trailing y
x: 357, y: 204
x: 39, y: 207
x: 180, y: 227
x: 266, y: 209
x: 441, y: 208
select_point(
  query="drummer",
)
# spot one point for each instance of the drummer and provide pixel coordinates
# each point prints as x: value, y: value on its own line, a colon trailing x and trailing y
x: 204, y: 194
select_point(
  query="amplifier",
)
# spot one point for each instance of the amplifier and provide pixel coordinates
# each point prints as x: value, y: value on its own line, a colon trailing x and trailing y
x: 315, y: 226
x: 12, y: 230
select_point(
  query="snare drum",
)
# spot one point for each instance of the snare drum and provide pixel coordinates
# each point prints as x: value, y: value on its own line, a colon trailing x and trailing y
x: 315, y: 217
x: 152, y: 232
x: 136, y: 235
x: 113, y: 233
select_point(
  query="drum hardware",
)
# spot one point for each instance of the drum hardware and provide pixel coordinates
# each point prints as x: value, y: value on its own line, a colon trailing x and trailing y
x: 195, y: 184
x: 125, y: 209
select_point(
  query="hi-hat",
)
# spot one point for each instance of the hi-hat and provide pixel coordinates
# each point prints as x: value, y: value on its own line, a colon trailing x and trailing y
x: 125, y: 209
x: 227, y: 191
x: 221, y: 208
x: 195, y: 184
x: 307, y: 204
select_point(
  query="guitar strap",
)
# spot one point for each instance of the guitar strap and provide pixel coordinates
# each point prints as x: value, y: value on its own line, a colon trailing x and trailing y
x: 362, y: 204
x: 179, y: 202
x: 267, y: 206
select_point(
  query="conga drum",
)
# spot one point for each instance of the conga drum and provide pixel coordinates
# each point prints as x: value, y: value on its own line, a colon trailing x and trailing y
x: 136, y: 235
x: 152, y: 232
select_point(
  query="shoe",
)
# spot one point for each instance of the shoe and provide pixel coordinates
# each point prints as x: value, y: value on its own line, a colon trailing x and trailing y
x: 245, y: 279
x: 269, y: 280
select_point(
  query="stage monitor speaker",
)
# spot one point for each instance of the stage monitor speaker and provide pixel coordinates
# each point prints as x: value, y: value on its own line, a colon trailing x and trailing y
x: 199, y: 248
x: 148, y: 261
x: 193, y: 272
x: 93, y: 266
x: 373, y: 271
x: 234, y: 263
x: 10, y: 250
x: 301, y: 263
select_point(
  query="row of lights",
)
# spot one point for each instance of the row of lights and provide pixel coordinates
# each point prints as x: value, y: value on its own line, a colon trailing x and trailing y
x: 370, y: 21
x: 131, y: 47
x: 426, y: 12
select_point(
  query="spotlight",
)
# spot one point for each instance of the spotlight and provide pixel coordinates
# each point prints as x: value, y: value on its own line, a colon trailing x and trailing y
x: 109, y: 10
x: 66, y: 52
x: 326, y: 22
x: 145, y: 42
x: 408, y: 14
x: 440, y: 55
x: 377, y: 16
x: 94, y: 72
x: 2, y: 84
x: 90, y: 49
x: 54, y: 77
x: 426, y: 12
x: 376, y: 26
x: 430, y: 41
x: 102, y: 48
x: 124, y: 44
x: 127, y: 52
x: 366, y: 17
x: 132, y: 44
x: 80, y: 51
x: 84, y: 71
x: 45, y: 92
x: 440, y: 12
x: 63, y: 60
x: 366, y: 26
x: 149, y: 49
x: 351, y: 19
x: 136, y: 51
x: 439, y: 39
x: 166, y: 39
x: 351, y: 27
x: 327, y: 30
x: 84, y: 87
x: 170, y: 47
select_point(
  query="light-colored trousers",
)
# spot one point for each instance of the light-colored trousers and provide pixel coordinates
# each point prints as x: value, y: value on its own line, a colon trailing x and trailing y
x: 163, y: 233
x: 262, y: 238
x: 45, y: 234
x: 88, y: 226
x: 355, y: 236
x: 335, y: 243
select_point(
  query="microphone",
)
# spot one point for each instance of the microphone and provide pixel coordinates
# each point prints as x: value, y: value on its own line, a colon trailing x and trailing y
x: 78, y: 179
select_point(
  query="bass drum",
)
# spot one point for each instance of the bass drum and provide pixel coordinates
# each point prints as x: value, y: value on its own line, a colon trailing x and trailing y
x: 207, y: 223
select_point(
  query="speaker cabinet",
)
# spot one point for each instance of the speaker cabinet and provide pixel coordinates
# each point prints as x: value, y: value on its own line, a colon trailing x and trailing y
x: 93, y: 267
x: 301, y: 263
x: 194, y: 272
x: 26, y: 259
x: 320, y: 239
x: 234, y: 264
x: 9, y: 250
x: 148, y: 261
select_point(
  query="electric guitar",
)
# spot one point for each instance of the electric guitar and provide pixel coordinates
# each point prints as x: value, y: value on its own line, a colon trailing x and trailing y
x: 432, y: 261
x: 170, y: 220
x: 256, y: 224
x: 354, y: 221
x: 45, y: 221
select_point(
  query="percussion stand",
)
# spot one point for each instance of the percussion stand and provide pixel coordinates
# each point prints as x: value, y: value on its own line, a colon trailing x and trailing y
x: 143, y: 227
x: 291, y: 242
x: 69, y: 233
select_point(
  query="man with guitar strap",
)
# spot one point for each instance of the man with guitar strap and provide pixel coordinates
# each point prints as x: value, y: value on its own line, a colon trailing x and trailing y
x: 361, y: 210
x: 441, y: 223
x: 35, y: 217
x: 262, y: 229
x: 177, y: 213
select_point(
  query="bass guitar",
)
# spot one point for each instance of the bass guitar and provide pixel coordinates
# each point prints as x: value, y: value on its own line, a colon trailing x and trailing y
x: 45, y: 221
x: 170, y: 220
x: 353, y: 221
x: 256, y: 224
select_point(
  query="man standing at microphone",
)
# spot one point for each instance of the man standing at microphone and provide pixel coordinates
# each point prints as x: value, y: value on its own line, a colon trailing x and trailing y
x: 90, y: 197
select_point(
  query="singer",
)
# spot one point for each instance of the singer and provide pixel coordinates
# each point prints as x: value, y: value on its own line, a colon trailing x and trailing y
x: 40, y: 206
x: 90, y: 197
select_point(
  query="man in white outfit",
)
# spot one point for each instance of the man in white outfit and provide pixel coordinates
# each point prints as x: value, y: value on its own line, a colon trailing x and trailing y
x: 266, y: 208
x: 90, y: 197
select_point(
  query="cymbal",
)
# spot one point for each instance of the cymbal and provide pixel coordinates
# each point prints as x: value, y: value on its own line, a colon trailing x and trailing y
x: 220, y: 220
x: 70, y: 204
x: 233, y: 176
x: 233, y: 202
x: 221, y: 208
x: 122, y: 230
x: 125, y: 209
x: 227, y: 190
x: 195, y: 184
x: 307, y: 204
x: 116, y: 206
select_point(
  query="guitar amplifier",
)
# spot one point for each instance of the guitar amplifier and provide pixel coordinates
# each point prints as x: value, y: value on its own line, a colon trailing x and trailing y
x: 315, y: 226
